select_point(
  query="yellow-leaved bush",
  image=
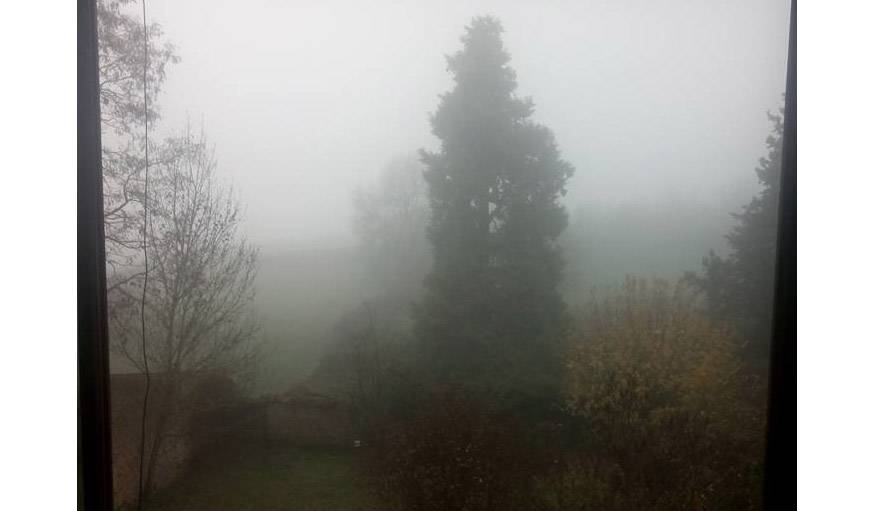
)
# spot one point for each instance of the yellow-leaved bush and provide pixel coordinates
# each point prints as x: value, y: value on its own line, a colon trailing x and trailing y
x: 671, y: 417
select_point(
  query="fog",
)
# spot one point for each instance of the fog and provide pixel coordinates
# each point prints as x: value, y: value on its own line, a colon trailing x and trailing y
x: 349, y: 242
x: 305, y: 101
x: 660, y: 106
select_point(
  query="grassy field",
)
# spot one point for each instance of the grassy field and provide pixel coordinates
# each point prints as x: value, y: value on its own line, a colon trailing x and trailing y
x: 269, y: 478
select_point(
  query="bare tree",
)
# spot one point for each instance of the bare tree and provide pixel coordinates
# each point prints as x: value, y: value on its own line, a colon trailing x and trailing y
x: 201, y: 281
x: 390, y: 219
x: 125, y: 93
x: 197, y: 307
x: 201, y: 273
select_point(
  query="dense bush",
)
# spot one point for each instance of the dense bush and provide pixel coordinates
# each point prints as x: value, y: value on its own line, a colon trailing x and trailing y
x: 454, y: 454
x: 673, y: 420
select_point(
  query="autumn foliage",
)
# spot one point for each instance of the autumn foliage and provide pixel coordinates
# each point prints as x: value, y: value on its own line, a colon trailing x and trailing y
x: 673, y: 420
x: 454, y: 453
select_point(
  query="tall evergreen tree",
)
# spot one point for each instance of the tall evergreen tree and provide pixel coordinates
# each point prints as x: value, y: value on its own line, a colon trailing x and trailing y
x: 492, y: 315
x: 740, y: 286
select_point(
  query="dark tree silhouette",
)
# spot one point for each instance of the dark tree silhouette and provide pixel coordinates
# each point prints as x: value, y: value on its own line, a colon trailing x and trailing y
x: 740, y: 286
x: 491, y: 313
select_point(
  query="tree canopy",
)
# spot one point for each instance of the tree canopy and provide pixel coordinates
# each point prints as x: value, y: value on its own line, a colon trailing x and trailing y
x: 491, y: 307
x: 127, y: 86
x: 740, y: 286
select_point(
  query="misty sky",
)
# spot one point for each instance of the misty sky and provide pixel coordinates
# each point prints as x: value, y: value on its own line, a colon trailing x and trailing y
x: 305, y: 100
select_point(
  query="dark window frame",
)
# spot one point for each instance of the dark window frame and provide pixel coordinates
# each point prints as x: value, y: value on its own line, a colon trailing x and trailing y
x: 95, y: 441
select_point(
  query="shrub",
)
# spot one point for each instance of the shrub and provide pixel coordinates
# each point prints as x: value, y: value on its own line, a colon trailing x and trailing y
x: 673, y: 419
x: 453, y: 454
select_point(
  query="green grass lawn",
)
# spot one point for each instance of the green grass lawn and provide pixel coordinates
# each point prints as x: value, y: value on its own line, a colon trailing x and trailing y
x: 272, y: 477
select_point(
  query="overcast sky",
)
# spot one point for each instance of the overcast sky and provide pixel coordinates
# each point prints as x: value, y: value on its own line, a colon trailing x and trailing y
x: 305, y: 100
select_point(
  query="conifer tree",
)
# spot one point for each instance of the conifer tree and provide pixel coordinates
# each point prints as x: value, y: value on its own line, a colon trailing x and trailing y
x: 492, y: 314
x: 740, y: 286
